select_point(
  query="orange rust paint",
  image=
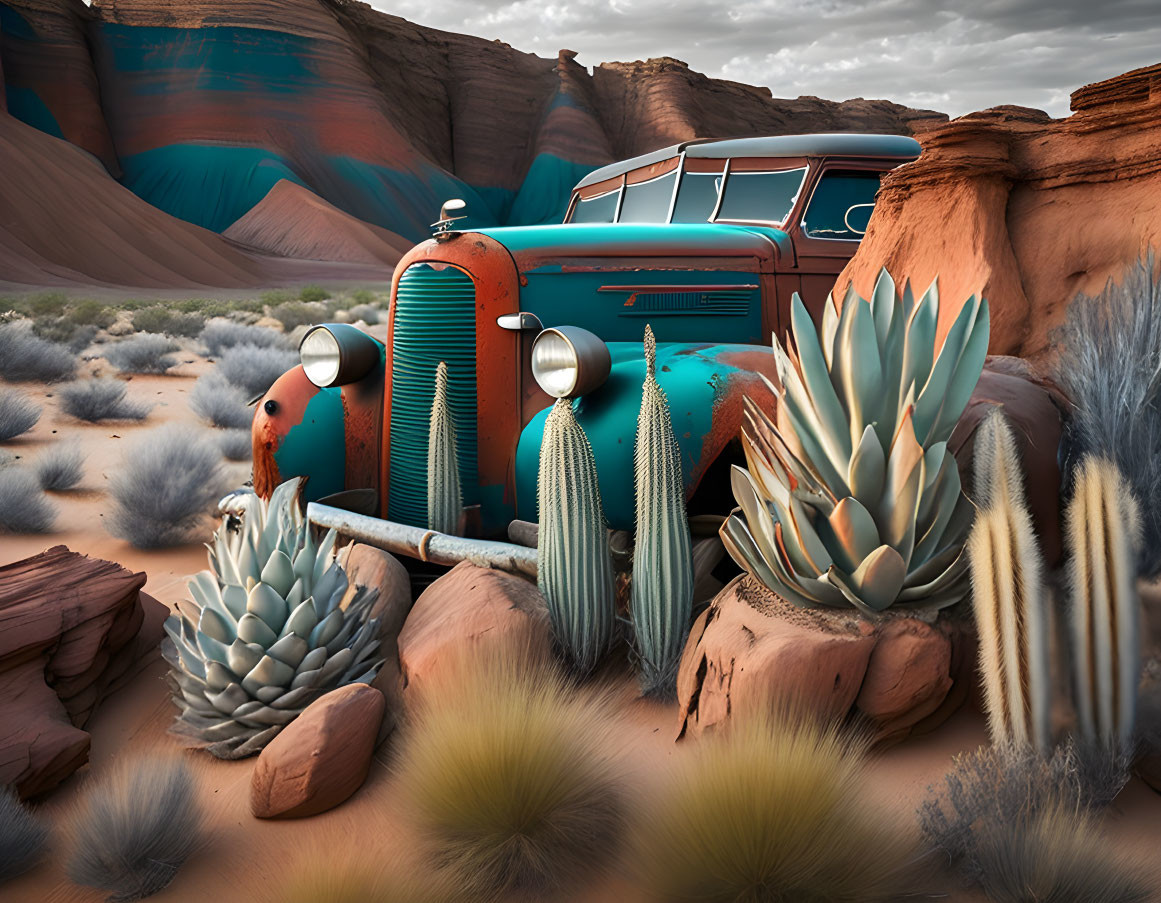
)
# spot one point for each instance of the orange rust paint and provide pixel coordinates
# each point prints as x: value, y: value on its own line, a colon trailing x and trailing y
x: 291, y: 393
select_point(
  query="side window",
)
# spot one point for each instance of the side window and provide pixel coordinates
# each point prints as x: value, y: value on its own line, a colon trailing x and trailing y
x: 599, y: 209
x: 697, y: 196
x: 841, y: 205
x: 648, y: 202
x: 760, y: 197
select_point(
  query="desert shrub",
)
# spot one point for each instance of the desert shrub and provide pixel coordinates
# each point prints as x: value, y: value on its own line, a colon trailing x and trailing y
x: 61, y: 467
x: 88, y: 312
x: 1001, y: 786
x: 1109, y: 366
x: 93, y: 400
x: 143, y: 353
x: 24, y: 356
x: 364, y: 296
x: 23, y: 505
x: 223, y: 405
x: 276, y: 296
x: 17, y: 414
x: 221, y: 335
x: 22, y: 836
x: 368, y: 313
x: 253, y: 369
x: 772, y: 810
x: 81, y: 338
x: 236, y: 445
x: 313, y: 294
x: 163, y: 320
x: 46, y: 304
x: 505, y: 776
x: 332, y: 872
x: 135, y: 829
x: 296, y: 313
x: 207, y: 307
x: 168, y: 481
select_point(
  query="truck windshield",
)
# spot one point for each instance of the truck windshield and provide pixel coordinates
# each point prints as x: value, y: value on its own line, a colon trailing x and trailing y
x: 760, y: 197
x: 829, y: 213
x: 599, y: 209
x: 697, y: 196
x: 648, y: 202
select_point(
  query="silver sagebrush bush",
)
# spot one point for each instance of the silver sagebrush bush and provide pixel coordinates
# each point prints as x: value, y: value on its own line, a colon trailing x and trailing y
x: 94, y: 400
x: 142, y: 353
x: 17, y: 414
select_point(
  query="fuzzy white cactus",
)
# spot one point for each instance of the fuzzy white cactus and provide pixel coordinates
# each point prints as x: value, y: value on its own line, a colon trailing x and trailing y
x: 445, y: 499
x: 1008, y: 593
x: 662, y: 591
x: 575, y: 567
x: 1103, y: 532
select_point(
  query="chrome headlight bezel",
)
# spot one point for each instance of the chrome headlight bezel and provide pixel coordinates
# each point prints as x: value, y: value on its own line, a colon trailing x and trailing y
x: 337, y: 354
x: 568, y: 361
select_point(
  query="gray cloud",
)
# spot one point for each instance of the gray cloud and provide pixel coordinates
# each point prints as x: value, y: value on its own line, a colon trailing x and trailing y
x: 943, y: 55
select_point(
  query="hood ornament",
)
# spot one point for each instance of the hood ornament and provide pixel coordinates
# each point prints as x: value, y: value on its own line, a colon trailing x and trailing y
x: 441, y: 230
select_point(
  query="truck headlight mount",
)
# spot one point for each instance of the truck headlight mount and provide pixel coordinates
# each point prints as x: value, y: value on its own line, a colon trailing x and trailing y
x: 336, y: 354
x: 569, y: 362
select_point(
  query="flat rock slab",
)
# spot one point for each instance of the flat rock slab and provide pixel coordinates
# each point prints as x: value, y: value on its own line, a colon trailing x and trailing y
x: 321, y: 758
x: 469, y: 607
x: 751, y: 650
x: 72, y: 628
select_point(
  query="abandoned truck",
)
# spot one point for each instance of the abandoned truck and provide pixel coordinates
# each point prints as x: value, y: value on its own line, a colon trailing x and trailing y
x: 705, y: 241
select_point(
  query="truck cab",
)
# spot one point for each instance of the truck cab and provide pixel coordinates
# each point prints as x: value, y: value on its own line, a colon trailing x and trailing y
x: 705, y: 241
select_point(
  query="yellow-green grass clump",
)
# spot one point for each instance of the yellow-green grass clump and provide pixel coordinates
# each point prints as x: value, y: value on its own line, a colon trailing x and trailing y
x: 507, y: 778
x: 772, y: 811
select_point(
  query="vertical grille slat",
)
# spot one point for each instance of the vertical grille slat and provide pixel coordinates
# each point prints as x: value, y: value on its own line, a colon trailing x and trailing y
x: 435, y: 320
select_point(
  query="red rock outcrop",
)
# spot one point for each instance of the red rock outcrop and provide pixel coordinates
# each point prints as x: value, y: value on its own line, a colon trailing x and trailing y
x: 1027, y: 209
x: 71, y: 628
x: 292, y: 221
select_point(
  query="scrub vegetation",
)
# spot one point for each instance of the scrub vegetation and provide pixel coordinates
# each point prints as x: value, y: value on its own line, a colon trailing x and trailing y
x: 60, y: 467
x: 25, y: 357
x: 135, y: 829
x: 219, y: 403
x: 253, y: 369
x: 236, y: 444
x: 142, y: 353
x: 220, y: 335
x: 164, y: 320
x: 23, y: 836
x: 17, y: 414
x: 24, y: 508
x: 94, y: 400
x: 168, y: 482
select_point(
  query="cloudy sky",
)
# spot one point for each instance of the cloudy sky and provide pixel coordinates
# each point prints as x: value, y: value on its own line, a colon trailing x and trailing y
x: 953, y: 57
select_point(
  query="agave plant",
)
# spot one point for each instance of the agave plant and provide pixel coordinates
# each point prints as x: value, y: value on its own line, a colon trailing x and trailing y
x: 265, y: 634
x: 855, y: 499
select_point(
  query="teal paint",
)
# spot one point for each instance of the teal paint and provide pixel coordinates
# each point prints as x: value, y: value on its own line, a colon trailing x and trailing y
x: 211, y: 186
x: 586, y: 238
x: 26, y: 105
x: 693, y: 376
x: 316, y: 447
x: 223, y: 58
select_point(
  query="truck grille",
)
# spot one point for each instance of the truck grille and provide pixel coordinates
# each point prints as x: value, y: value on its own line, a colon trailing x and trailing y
x: 435, y: 320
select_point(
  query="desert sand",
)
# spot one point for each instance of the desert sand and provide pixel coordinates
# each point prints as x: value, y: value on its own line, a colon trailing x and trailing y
x: 246, y: 859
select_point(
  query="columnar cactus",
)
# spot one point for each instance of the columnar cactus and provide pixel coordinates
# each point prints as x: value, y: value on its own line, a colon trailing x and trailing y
x: 662, y: 590
x: 575, y: 567
x: 1103, y: 530
x: 445, y: 500
x: 266, y: 633
x: 1009, y: 599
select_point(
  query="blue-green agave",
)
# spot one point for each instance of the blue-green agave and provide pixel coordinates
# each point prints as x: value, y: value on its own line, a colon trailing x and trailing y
x: 661, y: 601
x: 271, y: 628
x: 856, y: 500
x: 575, y: 568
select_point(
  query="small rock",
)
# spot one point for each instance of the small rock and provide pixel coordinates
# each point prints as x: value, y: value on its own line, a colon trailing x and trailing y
x: 469, y: 606
x: 122, y: 326
x: 321, y: 758
x: 269, y: 323
x: 341, y: 316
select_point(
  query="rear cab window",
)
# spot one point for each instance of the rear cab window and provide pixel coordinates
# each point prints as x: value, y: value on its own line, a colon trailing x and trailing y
x: 841, y: 205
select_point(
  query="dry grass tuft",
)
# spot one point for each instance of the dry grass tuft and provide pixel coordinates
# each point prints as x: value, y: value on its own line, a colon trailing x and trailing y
x: 23, y: 505
x: 253, y: 369
x: 22, y: 836
x: 221, y: 404
x: 168, y: 482
x: 220, y: 335
x: 772, y: 810
x: 506, y: 778
x: 135, y: 829
x: 142, y: 353
x: 326, y: 882
x: 25, y: 357
x: 236, y: 445
x: 60, y: 467
x: 94, y: 400
x: 17, y: 414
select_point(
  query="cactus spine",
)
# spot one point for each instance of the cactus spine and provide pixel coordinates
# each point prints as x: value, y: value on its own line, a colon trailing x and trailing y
x: 444, y: 498
x: 662, y: 590
x: 1103, y: 530
x: 575, y: 567
x: 1009, y: 602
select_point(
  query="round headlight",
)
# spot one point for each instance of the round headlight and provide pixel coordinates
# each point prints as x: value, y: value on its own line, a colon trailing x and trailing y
x: 338, y: 354
x: 321, y: 356
x: 568, y: 361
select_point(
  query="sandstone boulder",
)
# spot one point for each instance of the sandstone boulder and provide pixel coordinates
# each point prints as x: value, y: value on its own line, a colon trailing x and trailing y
x: 468, y: 608
x: 72, y: 629
x: 751, y: 649
x: 321, y: 758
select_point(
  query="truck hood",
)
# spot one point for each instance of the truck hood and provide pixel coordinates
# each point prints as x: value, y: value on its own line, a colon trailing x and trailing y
x: 535, y: 246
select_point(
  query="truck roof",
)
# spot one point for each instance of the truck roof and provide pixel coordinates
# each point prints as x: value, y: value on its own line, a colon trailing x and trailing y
x: 895, y: 147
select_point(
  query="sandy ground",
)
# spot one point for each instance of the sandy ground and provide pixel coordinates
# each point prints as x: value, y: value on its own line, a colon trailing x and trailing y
x: 246, y: 859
